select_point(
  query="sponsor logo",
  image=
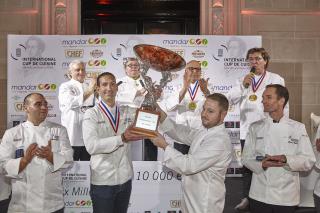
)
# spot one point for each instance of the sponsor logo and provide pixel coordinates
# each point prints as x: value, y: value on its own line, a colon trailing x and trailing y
x: 84, y: 42
x: 198, y: 54
x: 74, y: 53
x: 83, y: 203
x: 39, y: 87
x: 23, y: 87
x: 186, y: 42
x: 18, y: 106
x: 97, y: 41
x: 204, y: 64
x: 175, y: 203
x: 97, y: 63
x: 51, y: 87
x: 96, y: 53
x: 198, y: 41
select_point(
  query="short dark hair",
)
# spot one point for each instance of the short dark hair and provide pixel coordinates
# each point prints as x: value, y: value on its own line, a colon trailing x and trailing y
x: 221, y: 99
x: 105, y: 74
x: 27, y: 98
x: 281, y: 91
x: 263, y: 53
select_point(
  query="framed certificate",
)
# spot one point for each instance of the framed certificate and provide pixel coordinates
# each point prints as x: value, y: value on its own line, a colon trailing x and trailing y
x: 146, y: 122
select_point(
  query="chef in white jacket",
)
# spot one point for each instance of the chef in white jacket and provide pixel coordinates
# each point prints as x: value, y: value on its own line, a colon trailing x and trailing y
x: 106, y: 138
x: 5, y: 189
x: 187, y: 100
x: 131, y: 93
x: 32, y: 154
x: 203, y: 169
x: 74, y: 98
x: 276, y: 149
x: 248, y: 93
x: 316, y: 192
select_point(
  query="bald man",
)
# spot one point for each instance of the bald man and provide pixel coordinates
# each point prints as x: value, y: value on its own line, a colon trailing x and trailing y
x: 32, y: 155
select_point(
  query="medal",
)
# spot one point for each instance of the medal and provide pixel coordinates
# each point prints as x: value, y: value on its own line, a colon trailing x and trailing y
x: 192, y: 105
x: 253, y: 97
x: 255, y: 86
x: 193, y: 92
x: 113, y: 119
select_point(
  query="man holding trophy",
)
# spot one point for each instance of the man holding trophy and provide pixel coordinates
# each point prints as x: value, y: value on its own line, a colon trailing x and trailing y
x: 203, y: 169
x: 106, y: 135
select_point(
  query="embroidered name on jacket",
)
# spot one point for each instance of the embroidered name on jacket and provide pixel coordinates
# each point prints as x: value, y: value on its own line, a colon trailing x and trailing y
x: 293, y: 140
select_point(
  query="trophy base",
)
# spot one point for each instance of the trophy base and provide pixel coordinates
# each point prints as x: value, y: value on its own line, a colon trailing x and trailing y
x: 146, y: 123
x: 144, y: 132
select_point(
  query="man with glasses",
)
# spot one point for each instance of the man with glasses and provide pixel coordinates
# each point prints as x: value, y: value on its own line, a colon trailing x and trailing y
x: 131, y: 92
x: 188, y: 99
x: 248, y: 93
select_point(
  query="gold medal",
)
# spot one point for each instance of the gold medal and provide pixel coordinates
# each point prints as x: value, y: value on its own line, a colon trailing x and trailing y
x: 192, y: 105
x: 253, y: 97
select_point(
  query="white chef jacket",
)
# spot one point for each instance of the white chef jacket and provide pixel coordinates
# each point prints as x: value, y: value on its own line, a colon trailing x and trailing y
x: 317, y: 164
x: 5, y: 186
x: 277, y: 185
x: 38, y: 187
x: 127, y: 92
x: 110, y: 157
x: 251, y: 111
x: 203, y: 169
x: 184, y: 115
x: 72, y: 107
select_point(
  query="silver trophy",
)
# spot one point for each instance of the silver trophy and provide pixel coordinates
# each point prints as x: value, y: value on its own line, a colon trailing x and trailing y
x: 161, y: 60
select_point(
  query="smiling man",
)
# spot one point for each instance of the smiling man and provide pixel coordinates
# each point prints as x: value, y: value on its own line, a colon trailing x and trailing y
x: 106, y: 138
x: 203, y: 169
x: 276, y: 149
x: 248, y: 93
x: 74, y: 98
x: 32, y: 154
x: 187, y: 100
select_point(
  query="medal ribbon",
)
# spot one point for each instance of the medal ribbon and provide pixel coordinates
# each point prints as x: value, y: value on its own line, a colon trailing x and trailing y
x: 193, y: 91
x: 113, y: 120
x: 256, y: 85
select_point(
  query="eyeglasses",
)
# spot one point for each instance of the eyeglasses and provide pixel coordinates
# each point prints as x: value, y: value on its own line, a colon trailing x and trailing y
x: 252, y: 59
x: 196, y: 69
x: 133, y: 65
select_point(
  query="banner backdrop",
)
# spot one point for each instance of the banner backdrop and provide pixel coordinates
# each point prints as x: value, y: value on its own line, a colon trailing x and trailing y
x: 154, y: 188
x: 39, y: 63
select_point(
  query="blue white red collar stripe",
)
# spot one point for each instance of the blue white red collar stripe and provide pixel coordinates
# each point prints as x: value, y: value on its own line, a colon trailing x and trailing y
x: 256, y: 85
x: 114, y: 120
x: 193, y: 91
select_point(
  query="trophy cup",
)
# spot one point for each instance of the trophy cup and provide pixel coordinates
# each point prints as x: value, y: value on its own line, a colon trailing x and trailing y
x: 162, y: 60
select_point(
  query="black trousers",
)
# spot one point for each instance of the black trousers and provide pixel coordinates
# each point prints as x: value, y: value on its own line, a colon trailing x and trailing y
x: 316, y: 202
x: 80, y: 153
x: 184, y: 149
x: 150, y: 151
x: 260, y: 207
x: 4, y: 204
x: 246, y: 176
x: 59, y: 211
